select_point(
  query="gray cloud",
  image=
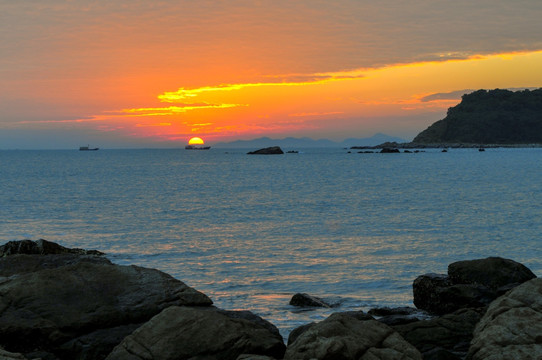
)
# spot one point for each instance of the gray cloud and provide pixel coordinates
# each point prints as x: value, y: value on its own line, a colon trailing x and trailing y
x: 314, y: 36
x: 456, y: 95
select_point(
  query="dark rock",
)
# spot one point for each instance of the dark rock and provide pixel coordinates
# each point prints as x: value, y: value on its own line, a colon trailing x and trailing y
x: 389, y: 151
x: 359, y: 315
x: 424, y: 289
x: 40, y: 247
x: 392, y: 320
x: 386, y: 311
x: 451, y: 332
x: 199, y: 333
x: 492, y: 272
x: 46, y: 310
x: 440, y: 354
x: 294, y: 334
x: 470, y: 283
x: 22, y: 264
x: 436, y: 294
x: 512, y: 326
x: 306, y: 300
x: 343, y: 336
x: 254, y: 357
x: 273, y: 150
x: 397, y: 316
x: 97, y: 344
x: 6, y: 355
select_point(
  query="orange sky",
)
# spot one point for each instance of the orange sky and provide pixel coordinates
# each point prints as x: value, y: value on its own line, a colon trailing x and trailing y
x: 138, y: 73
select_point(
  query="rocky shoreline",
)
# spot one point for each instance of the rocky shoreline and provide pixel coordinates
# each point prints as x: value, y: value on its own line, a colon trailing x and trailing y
x: 58, y: 303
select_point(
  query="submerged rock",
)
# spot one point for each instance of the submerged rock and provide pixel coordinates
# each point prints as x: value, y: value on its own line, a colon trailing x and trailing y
x: 346, y: 336
x: 201, y: 333
x: 273, y: 150
x: 512, y: 326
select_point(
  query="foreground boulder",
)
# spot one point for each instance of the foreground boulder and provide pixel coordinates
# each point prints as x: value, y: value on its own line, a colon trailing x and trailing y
x: 179, y: 333
x: 346, y: 336
x: 492, y: 272
x: 469, y: 284
x: 83, y: 307
x: 273, y: 150
x: 512, y: 326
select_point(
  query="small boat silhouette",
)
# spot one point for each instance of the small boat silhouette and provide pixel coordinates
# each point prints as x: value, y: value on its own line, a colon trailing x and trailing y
x: 87, y: 148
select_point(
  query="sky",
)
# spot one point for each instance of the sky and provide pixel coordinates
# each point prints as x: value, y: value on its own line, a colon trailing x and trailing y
x: 138, y: 73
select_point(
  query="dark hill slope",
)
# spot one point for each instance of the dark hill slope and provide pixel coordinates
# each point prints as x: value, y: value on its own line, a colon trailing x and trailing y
x: 490, y: 117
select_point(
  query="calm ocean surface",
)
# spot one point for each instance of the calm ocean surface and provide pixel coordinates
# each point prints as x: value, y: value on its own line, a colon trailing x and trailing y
x: 250, y: 231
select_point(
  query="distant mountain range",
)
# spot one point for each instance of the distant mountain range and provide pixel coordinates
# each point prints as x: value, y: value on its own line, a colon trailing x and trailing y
x: 305, y: 142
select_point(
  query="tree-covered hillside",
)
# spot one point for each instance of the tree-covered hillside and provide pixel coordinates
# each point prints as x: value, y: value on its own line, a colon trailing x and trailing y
x: 490, y: 117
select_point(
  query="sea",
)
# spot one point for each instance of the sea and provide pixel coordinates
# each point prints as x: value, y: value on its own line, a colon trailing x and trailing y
x: 250, y: 231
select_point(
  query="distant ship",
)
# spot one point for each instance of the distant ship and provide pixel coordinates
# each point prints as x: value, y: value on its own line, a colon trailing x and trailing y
x: 195, y: 147
x: 87, y: 148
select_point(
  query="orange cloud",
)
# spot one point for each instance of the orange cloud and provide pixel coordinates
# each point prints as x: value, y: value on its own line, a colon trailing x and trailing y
x: 316, y: 114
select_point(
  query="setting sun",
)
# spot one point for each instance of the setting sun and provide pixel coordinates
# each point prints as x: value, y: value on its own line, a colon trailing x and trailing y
x: 195, y: 141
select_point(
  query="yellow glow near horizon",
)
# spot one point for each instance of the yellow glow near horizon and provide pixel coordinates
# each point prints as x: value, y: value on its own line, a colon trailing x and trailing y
x: 365, y: 100
x: 196, y: 141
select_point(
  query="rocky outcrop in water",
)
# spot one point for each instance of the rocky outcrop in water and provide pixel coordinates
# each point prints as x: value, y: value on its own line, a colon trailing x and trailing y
x: 306, y: 300
x: 273, y: 150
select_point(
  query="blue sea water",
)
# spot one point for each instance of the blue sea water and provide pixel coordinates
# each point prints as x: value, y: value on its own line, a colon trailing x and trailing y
x: 250, y: 231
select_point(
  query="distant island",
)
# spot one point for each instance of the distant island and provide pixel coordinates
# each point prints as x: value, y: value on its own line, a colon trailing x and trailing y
x: 498, y: 117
